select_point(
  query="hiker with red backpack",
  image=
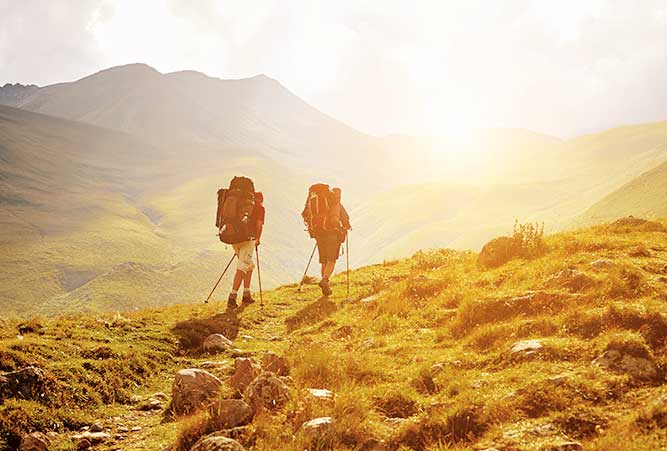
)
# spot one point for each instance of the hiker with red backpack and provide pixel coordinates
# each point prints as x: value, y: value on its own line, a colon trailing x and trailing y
x: 327, y: 222
x: 240, y: 220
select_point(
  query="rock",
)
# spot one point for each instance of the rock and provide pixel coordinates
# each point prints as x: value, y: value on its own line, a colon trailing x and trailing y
x: 88, y: 439
x: 217, y: 443
x: 215, y: 343
x: 210, y: 364
x: 193, y: 388
x: 275, y: 364
x: 396, y: 422
x: 244, y: 373
x: 370, y: 299
x: 602, y: 263
x: 96, y: 427
x: 266, y: 392
x: 641, y: 368
x: 316, y: 429
x: 231, y: 413
x: 341, y: 333
x: 527, y: 347
x: 571, y: 279
x: 321, y: 394
x: 135, y: 429
x: 437, y: 368
x: 123, y: 429
x: 564, y: 446
x: 136, y: 399
x: 236, y: 353
x: 26, y: 383
x: 498, y: 251
x: 161, y: 396
x: 35, y: 441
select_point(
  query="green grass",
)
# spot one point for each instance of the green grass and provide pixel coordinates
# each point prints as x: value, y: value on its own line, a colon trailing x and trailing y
x: 429, y: 340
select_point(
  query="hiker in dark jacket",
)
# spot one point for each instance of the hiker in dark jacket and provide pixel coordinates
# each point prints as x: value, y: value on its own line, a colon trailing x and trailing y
x: 330, y: 235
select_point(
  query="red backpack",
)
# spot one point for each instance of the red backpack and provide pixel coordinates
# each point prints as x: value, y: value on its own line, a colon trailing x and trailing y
x: 322, y: 210
x: 235, y: 206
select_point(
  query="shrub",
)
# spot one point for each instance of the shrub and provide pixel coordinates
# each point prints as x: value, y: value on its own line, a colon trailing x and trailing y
x: 526, y: 242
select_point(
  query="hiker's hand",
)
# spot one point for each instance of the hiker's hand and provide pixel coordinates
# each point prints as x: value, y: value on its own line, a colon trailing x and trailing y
x: 257, y: 243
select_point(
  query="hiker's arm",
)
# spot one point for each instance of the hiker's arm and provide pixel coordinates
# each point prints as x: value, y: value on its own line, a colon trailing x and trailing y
x: 345, y: 218
x: 260, y: 227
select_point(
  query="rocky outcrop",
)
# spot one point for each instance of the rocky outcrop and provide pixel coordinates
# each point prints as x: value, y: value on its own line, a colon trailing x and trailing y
x: 275, y: 364
x: 638, y: 367
x: 193, y: 388
x: 217, y: 443
x: 35, y: 441
x: 216, y: 343
x: 26, y: 383
x: 266, y: 392
x: 497, y: 252
x: 570, y: 279
x: 245, y: 372
x: 230, y: 413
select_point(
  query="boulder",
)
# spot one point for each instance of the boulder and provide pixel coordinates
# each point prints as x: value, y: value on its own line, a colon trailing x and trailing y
x: 244, y: 373
x: 602, y: 263
x: 35, y: 441
x: 275, y: 364
x: 342, y: 332
x: 266, y: 392
x: 26, y: 383
x: 215, y: 343
x: 570, y: 279
x: 642, y: 368
x: 193, y: 388
x: 317, y: 428
x: 230, y: 413
x: 321, y: 394
x: 498, y: 251
x: 564, y: 446
x: 88, y: 439
x: 527, y: 347
x: 217, y: 443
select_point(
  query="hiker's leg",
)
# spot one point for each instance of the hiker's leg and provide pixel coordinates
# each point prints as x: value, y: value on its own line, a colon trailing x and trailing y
x: 238, y: 278
x: 246, y: 280
x: 328, y: 269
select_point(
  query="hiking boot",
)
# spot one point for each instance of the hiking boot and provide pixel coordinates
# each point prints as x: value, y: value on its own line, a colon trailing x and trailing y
x: 231, y: 301
x: 324, y: 285
x: 247, y: 298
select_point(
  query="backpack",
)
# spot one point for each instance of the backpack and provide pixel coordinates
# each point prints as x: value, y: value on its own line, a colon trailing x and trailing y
x: 322, y: 210
x: 235, y: 207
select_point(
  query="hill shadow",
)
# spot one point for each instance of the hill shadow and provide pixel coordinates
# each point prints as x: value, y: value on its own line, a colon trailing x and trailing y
x: 191, y: 333
x: 310, y: 314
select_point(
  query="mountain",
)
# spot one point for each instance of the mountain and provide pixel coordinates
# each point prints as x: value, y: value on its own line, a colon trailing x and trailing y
x: 645, y: 196
x: 189, y: 109
x: 562, y: 351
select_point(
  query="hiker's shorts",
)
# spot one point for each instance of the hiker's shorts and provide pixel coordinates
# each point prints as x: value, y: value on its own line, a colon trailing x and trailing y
x: 244, y: 251
x: 328, y: 246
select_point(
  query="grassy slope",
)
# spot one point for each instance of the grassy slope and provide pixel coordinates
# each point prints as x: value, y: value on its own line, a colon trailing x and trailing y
x: 433, y: 308
x: 642, y: 197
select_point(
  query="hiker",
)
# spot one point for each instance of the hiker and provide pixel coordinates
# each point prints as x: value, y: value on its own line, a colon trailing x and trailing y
x: 241, y: 220
x: 327, y: 222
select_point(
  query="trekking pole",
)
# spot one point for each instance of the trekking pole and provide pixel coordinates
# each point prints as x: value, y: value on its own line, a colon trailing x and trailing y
x: 259, y: 277
x: 221, y: 276
x: 307, y: 266
x: 347, y: 258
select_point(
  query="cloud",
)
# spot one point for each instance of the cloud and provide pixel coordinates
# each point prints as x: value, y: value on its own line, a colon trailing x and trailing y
x: 382, y: 66
x: 43, y: 39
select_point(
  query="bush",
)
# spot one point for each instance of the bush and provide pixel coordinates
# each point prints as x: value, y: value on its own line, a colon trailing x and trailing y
x: 526, y: 242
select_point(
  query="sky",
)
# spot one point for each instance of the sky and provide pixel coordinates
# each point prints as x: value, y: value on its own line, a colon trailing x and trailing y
x: 384, y: 67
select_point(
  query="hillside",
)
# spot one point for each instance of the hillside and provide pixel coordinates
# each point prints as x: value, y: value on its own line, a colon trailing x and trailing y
x: 564, y: 351
x: 68, y: 190
x: 642, y: 197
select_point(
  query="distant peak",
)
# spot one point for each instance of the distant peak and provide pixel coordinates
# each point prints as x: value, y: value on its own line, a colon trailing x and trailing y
x: 134, y: 69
